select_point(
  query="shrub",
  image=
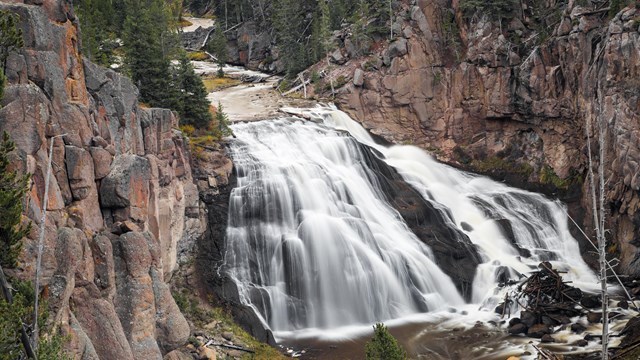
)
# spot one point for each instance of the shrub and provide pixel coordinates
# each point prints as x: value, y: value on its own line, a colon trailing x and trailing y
x: 383, y: 346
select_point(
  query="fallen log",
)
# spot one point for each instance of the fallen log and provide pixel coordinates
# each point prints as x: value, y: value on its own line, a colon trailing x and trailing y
x: 211, y: 343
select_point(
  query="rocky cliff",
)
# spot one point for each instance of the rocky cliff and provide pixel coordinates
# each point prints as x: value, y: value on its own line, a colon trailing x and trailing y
x: 512, y: 98
x: 121, y: 195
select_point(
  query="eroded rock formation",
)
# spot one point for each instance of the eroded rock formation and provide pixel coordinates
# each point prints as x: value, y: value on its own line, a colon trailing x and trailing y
x: 512, y: 100
x: 121, y: 194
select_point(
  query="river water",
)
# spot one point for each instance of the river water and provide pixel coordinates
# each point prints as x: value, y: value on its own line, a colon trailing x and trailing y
x: 320, y: 254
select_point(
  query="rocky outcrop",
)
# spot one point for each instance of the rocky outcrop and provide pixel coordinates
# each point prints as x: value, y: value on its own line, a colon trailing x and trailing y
x: 249, y: 44
x: 215, y: 178
x: 121, y: 195
x: 513, y: 99
x: 195, y: 40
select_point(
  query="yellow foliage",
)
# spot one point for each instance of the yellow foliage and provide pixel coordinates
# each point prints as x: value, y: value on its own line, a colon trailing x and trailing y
x: 187, y: 130
x: 215, y: 84
x: 198, y: 56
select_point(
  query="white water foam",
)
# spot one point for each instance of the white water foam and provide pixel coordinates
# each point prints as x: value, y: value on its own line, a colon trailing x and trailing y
x: 315, y: 249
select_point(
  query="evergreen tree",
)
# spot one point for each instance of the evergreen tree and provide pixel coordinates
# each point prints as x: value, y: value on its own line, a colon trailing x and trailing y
x: 193, y: 103
x: 360, y: 32
x: 383, y: 346
x: 17, y: 312
x: 495, y: 9
x: 218, y: 47
x: 223, y: 121
x: 10, y: 35
x: 13, y: 188
x: 97, y: 29
x: 321, y: 36
x: 341, y: 11
x: 289, y: 25
x: 146, y: 53
x: 379, y: 12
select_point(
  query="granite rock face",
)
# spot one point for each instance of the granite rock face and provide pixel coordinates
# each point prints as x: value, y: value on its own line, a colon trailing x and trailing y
x: 121, y: 194
x: 502, y: 100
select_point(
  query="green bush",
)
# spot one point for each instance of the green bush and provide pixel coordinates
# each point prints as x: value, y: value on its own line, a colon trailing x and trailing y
x: 495, y: 9
x: 383, y: 346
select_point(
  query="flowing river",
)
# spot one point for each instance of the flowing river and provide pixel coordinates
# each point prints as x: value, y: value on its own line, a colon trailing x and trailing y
x: 320, y: 249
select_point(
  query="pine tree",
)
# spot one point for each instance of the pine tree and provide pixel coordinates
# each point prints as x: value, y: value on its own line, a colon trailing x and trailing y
x: 383, y: 346
x: 218, y: 47
x: 193, y: 103
x: 146, y: 53
x: 359, y: 28
x: 321, y: 36
x: 288, y: 24
x: 97, y: 29
x: 10, y: 35
x: 223, y: 121
x: 13, y: 188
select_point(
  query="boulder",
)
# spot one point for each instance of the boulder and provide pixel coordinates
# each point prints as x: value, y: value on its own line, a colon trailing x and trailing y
x: 623, y: 304
x: 338, y: 58
x: 104, y: 266
x: 177, y: 355
x: 206, y: 353
x: 99, y: 320
x: 546, y: 338
x: 358, y: 77
x: 528, y: 318
x: 514, y: 321
x: 578, y: 328
x: 581, y: 343
x: 172, y: 329
x: 397, y: 48
x: 594, y: 317
x: 591, y: 301
x: 518, y: 328
x: 538, y: 330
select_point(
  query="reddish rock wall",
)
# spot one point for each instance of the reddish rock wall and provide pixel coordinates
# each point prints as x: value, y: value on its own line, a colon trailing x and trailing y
x: 505, y: 101
x: 121, y: 193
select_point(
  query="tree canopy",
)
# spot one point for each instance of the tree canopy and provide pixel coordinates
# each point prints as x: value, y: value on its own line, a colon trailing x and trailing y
x: 383, y: 346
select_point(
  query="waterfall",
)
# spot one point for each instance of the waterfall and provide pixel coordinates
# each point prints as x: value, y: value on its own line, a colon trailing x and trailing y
x: 313, y: 241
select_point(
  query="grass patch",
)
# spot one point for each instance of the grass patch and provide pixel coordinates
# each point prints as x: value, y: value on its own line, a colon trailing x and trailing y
x: 216, y: 83
x: 495, y: 163
x: 548, y: 176
x: 197, y: 56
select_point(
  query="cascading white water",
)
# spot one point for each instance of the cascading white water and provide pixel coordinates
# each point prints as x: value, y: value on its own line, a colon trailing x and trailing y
x: 478, y: 205
x: 312, y: 242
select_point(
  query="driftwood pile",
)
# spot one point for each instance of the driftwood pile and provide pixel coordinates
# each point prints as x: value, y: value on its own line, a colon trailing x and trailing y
x: 548, y: 301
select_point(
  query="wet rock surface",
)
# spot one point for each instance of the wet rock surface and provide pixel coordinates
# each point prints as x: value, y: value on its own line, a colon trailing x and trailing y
x: 453, y: 251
